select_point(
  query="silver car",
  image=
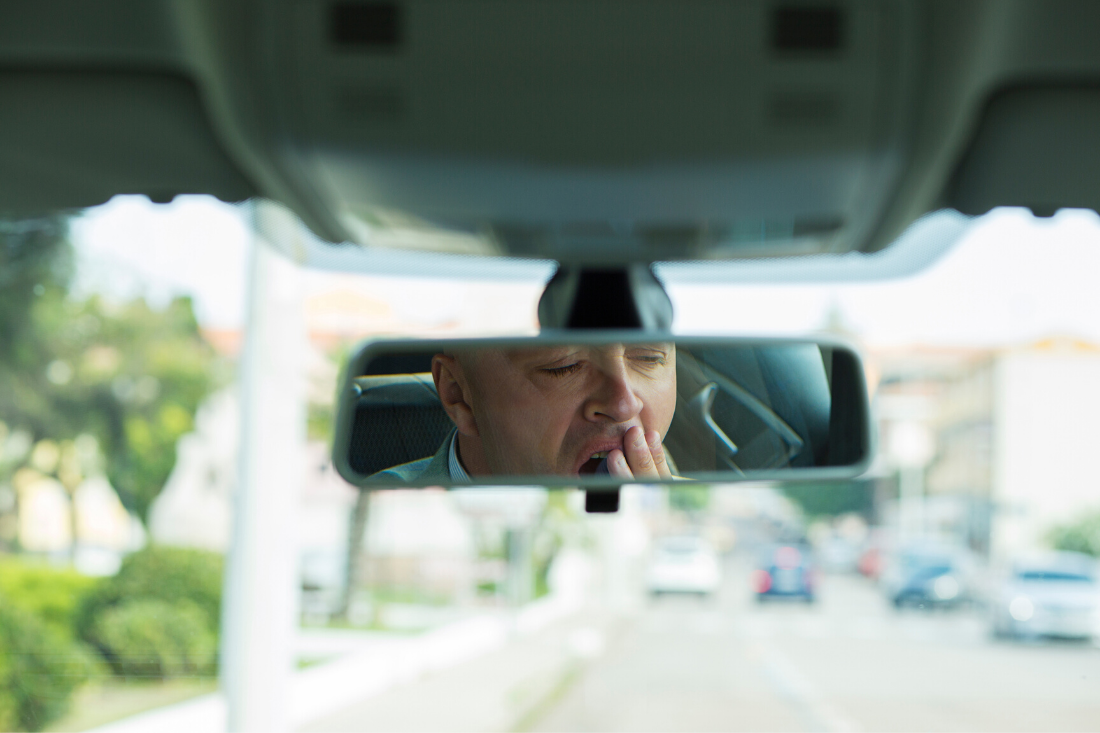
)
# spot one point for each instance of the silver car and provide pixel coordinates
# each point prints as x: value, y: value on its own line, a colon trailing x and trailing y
x: 684, y: 565
x: 1056, y: 594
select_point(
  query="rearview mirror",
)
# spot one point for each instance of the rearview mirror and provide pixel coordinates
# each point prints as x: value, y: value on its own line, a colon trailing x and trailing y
x: 600, y: 409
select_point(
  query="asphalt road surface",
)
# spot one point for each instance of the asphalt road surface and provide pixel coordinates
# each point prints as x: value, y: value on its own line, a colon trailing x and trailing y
x: 850, y: 662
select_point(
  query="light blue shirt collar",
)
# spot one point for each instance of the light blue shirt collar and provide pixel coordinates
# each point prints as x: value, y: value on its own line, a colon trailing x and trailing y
x: 454, y: 465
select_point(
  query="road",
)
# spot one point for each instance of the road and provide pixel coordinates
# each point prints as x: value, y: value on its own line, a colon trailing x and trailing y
x: 848, y: 663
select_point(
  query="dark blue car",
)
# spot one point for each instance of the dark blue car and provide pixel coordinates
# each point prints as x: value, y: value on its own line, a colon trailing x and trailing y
x: 786, y: 571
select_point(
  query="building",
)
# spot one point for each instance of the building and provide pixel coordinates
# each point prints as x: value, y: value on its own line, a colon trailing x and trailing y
x: 1007, y: 439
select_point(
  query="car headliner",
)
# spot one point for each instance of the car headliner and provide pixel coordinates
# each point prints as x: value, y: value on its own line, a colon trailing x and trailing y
x: 596, y: 132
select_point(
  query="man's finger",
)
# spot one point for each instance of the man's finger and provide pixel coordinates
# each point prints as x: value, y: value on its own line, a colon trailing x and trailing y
x: 639, y: 455
x: 653, y: 438
x: 617, y: 465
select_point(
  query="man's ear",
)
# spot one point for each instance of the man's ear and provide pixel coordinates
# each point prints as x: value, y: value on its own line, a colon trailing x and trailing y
x: 454, y: 393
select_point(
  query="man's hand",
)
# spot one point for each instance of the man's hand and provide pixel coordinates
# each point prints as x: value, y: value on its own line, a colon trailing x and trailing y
x: 644, y: 456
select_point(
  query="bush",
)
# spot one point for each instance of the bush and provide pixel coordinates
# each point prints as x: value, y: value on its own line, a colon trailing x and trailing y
x: 152, y: 638
x: 143, y: 618
x: 171, y: 574
x: 1080, y: 536
x: 39, y: 671
x: 51, y: 594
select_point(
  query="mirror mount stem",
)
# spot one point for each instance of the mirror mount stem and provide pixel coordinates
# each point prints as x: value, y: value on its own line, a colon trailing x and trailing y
x: 618, y: 297
x: 627, y: 296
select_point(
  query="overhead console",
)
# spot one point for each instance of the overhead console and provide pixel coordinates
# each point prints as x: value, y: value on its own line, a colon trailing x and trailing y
x: 603, y: 130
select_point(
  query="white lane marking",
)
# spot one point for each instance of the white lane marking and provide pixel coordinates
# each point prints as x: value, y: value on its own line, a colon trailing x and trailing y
x: 793, y: 685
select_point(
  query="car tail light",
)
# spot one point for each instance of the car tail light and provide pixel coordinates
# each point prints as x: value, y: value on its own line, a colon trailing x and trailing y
x: 763, y: 581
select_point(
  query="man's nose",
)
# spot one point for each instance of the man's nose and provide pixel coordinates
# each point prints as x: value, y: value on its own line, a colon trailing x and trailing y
x: 613, y: 399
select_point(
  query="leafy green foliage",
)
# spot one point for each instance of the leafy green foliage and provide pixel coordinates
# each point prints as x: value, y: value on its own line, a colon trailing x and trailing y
x: 35, y: 258
x: 39, y: 671
x: 153, y: 638
x: 832, y: 499
x: 49, y: 593
x: 174, y: 575
x: 321, y: 411
x: 35, y: 266
x: 689, y: 497
x: 319, y: 421
x: 129, y: 375
x: 1080, y: 536
x: 141, y: 372
x: 551, y: 534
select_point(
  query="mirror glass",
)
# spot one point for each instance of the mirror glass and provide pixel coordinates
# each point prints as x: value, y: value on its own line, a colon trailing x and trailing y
x: 600, y: 410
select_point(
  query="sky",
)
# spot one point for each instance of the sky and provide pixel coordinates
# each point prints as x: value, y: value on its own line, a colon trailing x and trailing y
x: 1011, y: 279
x: 197, y: 246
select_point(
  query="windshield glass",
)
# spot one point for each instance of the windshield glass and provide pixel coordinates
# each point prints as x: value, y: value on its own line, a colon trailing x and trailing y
x: 147, y: 345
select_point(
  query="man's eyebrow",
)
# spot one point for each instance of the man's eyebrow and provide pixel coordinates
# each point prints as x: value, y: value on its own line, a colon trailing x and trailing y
x: 536, y: 355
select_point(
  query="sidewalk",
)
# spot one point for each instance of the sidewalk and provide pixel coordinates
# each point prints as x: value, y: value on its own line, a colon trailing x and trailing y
x: 480, y: 673
x: 504, y: 690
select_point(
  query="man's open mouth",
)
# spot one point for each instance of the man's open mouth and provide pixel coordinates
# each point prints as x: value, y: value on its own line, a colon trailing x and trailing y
x: 590, y: 466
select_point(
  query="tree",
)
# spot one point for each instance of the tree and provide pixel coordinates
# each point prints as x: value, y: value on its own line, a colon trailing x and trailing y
x: 689, y: 497
x: 35, y: 264
x: 1082, y: 535
x: 127, y: 374
x: 832, y: 499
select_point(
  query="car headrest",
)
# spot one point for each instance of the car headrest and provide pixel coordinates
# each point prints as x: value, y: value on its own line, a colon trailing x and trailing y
x: 398, y: 419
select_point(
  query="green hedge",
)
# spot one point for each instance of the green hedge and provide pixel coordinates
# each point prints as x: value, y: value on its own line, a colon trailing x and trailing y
x: 49, y: 593
x: 1080, y: 536
x: 39, y: 670
x: 151, y: 638
x: 158, y: 617
x: 170, y: 574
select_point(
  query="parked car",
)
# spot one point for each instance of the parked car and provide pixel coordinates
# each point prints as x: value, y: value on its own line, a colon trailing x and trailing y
x: 786, y: 571
x: 1055, y: 594
x: 684, y: 565
x: 928, y: 575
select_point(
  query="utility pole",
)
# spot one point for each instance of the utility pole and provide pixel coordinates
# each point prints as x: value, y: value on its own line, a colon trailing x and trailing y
x: 260, y: 598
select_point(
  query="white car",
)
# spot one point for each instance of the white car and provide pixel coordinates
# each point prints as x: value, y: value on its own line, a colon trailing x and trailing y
x: 684, y: 565
x: 1054, y: 595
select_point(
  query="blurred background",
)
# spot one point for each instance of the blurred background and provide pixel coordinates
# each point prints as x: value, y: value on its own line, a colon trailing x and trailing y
x: 954, y: 586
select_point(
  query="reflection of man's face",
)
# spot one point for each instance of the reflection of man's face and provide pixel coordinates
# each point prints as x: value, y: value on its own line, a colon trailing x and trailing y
x: 549, y: 410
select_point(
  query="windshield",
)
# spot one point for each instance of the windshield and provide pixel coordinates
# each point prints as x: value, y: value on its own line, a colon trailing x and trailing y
x: 147, y: 346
